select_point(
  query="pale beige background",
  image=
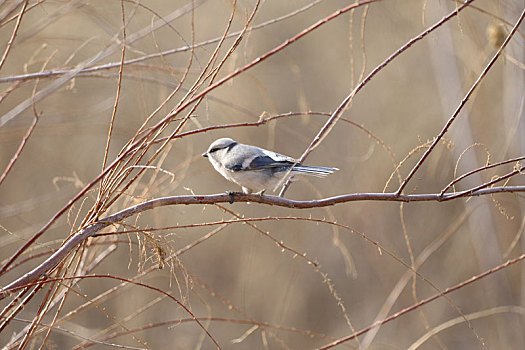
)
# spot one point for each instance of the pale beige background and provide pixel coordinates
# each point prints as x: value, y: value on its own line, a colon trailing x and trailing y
x: 405, y: 105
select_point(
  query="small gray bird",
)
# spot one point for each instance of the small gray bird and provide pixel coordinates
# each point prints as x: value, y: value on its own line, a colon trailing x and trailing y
x: 256, y: 169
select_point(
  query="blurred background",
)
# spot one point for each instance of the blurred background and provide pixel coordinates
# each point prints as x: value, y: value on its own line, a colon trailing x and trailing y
x: 291, y: 283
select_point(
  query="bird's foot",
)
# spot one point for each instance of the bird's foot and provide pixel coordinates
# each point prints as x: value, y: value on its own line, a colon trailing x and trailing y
x: 232, y: 195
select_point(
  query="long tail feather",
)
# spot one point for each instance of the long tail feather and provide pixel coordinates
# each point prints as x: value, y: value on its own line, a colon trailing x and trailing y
x: 319, y: 171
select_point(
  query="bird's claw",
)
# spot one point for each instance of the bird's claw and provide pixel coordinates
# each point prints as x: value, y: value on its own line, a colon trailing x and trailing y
x: 232, y: 195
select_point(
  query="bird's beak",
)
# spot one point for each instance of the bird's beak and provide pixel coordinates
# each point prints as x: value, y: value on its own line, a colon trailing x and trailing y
x: 205, y: 154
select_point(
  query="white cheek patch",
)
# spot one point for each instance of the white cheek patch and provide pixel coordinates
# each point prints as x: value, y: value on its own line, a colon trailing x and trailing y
x: 215, y: 163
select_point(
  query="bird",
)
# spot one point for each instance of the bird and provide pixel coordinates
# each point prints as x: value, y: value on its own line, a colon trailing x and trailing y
x: 256, y: 169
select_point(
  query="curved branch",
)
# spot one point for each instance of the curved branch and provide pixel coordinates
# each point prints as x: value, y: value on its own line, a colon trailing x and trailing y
x: 147, y: 286
x: 458, y: 179
x: 160, y: 124
x: 51, y: 262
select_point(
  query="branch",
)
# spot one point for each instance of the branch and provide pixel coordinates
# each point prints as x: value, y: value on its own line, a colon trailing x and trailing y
x: 13, y: 36
x: 106, y: 66
x: 51, y: 262
x: 330, y: 123
x: 147, y: 286
x: 461, y: 104
x: 425, y: 301
x: 453, y: 182
x: 159, y: 124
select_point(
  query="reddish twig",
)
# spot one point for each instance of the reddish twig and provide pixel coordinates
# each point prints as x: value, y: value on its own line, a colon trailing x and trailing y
x: 463, y: 101
x: 28, y: 133
x: 19, y: 150
x: 425, y: 301
x: 119, y: 86
x: 453, y: 182
x: 306, y: 333
x: 122, y: 279
x: 162, y: 122
x: 486, y: 184
x: 327, y: 127
x: 58, y: 72
x: 13, y: 35
x: 91, y: 230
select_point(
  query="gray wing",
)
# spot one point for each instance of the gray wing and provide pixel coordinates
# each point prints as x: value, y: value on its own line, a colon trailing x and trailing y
x: 277, y: 162
x: 258, y: 159
x: 266, y: 162
x: 269, y: 159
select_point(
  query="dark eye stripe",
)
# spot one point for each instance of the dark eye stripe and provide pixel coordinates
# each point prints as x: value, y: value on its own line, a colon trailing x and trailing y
x: 229, y: 147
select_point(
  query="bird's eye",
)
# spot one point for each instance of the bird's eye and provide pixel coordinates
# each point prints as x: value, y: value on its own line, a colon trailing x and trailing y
x: 214, y: 150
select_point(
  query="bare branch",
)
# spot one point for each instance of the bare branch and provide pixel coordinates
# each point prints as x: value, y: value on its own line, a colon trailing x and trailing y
x: 336, y: 115
x: 425, y: 301
x: 91, y: 230
x: 156, y: 127
x: 462, y: 103
x: 13, y: 35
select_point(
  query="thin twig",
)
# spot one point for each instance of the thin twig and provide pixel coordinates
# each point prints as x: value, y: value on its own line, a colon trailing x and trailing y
x: 13, y: 35
x: 91, y: 230
x: 56, y: 72
x: 51, y: 280
x: 463, y: 101
x: 327, y: 127
x: 70, y: 74
x: 162, y: 122
x: 19, y: 150
x: 119, y: 85
x: 486, y: 184
x: 425, y: 301
x: 456, y: 180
